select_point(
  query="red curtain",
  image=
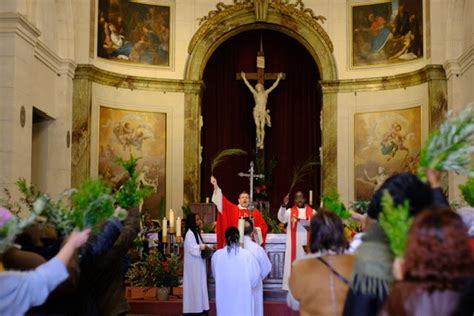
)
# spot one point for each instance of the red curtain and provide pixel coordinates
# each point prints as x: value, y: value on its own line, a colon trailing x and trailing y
x: 227, y: 106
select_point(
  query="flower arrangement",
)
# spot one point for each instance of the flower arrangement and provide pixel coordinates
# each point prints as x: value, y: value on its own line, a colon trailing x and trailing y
x: 155, y: 270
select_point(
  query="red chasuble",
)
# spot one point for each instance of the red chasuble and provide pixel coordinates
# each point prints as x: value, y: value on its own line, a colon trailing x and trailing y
x: 230, y: 217
x: 294, y: 220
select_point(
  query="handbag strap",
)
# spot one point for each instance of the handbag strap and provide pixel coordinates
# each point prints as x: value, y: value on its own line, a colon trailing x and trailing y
x: 339, y: 276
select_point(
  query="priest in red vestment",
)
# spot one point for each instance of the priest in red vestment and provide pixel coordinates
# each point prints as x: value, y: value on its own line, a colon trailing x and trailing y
x: 228, y: 214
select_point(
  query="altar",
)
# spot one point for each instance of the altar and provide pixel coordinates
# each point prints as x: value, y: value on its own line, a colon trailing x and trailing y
x: 275, y: 249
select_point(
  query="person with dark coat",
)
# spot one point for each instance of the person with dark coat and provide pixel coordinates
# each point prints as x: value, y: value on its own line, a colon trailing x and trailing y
x: 107, y: 277
x: 372, y: 276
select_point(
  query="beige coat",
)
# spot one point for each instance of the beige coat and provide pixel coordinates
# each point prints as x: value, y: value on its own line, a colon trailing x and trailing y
x: 311, y: 280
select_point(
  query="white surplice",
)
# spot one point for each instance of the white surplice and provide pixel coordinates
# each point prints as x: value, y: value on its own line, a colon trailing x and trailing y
x: 236, y: 273
x: 195, y: 296
x: 301, y: 240
x: 265, y: 268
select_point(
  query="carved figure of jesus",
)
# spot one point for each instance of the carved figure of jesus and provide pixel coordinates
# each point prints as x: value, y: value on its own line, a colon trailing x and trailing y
x: 261, y: 114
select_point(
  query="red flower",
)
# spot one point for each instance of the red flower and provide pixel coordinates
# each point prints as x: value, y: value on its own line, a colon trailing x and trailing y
x: 264, y: 187
x: 257, y: 190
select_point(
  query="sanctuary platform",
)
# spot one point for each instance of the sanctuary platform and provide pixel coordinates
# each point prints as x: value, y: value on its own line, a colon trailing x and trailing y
x: 274, y: 296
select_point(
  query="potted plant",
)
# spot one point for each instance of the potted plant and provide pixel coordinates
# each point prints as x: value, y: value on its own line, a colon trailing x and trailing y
x: 141, y: 281
x: 166, y: 273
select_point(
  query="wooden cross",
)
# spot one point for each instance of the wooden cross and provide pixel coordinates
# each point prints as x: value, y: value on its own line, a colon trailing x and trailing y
x: 260, y: 75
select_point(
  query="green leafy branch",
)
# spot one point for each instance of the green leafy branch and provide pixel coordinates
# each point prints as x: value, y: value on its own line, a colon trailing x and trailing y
x: 450, y: 147
x: 224, y: 155
x: 303, y: 169
x: 361, y: 206
x: 467, y: 191
x: 332, y: 203
x: 12, y: 225
x: 132, y: 192
x: 396, y: 222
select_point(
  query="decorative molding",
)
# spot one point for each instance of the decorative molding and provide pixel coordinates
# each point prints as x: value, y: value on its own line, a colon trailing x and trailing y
x: 299, y: 11
x: 425, y: 74
x: 224, y: 10
x: 13, y: 22
x: 456, y: 67
x: 53, y: 61
x: 97, y: 75
x: 262, y: 10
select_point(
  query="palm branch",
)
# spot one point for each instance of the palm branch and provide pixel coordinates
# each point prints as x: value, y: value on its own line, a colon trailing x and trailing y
x: 395, y: 220
x: 302, y: 170
x: 450, y: 147
x: 224, y: 155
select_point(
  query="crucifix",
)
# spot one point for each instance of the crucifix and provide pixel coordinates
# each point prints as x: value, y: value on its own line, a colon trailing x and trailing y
x: 251, y: 175
x: 260, y: 113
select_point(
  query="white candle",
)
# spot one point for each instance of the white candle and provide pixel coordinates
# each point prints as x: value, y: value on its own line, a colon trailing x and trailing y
x: 207, y: 200
x: 241, y: 226
x: 164, y: 229
x: 171, y: 218
x: 310, y: 197
x: 178, y: 226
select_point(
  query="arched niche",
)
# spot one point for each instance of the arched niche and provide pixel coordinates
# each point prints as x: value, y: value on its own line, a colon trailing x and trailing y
x: 227, y: 21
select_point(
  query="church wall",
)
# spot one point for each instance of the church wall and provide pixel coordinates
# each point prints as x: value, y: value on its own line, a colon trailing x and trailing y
x: 34, y: 75
x: 459, y: 65
x: 31, y: 56
x: 368, y: 101
x: 337, y: 25
x: 170, y: 103
x: 82, y: 29
x: 17, y: 42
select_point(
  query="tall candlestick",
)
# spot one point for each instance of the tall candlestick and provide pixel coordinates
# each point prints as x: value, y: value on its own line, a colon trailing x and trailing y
x: 164, y: 230
x: 178, y: 226
x: 241, y: 226
x: 171, y: 218
x: 310, y: 197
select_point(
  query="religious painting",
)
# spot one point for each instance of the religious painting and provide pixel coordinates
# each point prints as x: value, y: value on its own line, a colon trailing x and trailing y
x: 386, y: 33
x: 385, y: 143
x: 142, y: 134
x: 135, y: 31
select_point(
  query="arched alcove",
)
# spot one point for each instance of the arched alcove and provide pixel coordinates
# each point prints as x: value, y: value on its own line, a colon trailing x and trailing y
x: 227, y: 21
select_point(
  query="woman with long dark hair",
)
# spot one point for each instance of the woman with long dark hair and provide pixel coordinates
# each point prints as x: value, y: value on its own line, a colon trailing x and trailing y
x: 328, y: 264
x: 236, y: 273
x: 195, y: 296
x: 436, y: 265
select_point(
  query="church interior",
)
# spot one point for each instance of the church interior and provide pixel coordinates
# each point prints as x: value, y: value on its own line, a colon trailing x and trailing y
x: 329, y: 98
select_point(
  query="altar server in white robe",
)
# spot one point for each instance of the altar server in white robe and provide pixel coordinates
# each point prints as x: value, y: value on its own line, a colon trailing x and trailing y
x: 236, y: 273
x: 298, y: 217
x: 263, y: 262
x: 195, y: 296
